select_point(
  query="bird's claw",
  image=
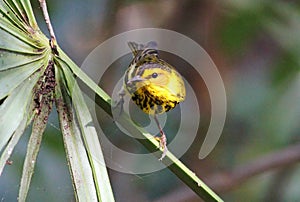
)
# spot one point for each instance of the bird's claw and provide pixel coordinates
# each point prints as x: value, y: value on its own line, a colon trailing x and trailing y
x: 163, y: 145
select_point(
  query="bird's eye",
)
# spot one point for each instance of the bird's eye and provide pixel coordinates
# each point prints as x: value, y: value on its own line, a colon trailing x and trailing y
x: 154, y: 75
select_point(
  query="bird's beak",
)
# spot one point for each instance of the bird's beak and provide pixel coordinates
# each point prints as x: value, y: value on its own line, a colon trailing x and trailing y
x: 135, y: 79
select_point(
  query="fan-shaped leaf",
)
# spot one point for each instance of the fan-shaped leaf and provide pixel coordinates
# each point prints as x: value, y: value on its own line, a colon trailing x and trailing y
x: 76, y: 155
x: 14, y: 109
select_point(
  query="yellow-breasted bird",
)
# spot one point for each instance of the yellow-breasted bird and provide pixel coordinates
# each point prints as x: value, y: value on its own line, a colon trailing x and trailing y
x: 153, y: 84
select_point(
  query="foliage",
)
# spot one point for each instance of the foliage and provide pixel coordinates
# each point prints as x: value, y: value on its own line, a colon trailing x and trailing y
x: 33, y: 77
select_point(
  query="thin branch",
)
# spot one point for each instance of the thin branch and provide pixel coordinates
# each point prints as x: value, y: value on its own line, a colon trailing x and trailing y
x: 225, y: 181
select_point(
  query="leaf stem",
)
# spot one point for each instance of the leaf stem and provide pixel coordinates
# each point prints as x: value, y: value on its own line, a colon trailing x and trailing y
x: 53, y: 43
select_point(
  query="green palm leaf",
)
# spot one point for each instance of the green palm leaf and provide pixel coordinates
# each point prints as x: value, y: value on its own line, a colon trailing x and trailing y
x: 31, y: 81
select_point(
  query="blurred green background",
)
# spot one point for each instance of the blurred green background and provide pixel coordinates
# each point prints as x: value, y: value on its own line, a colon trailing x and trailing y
x: 256, y: 47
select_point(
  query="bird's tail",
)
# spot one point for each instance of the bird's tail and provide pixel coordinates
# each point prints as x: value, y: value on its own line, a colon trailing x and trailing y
x: 135, y: 47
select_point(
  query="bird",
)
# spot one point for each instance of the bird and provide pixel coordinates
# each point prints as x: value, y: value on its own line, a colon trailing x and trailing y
x: 154, y: 85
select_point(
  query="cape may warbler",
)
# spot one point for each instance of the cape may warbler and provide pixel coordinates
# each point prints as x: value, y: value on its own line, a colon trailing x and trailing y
x: 153, y: 84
